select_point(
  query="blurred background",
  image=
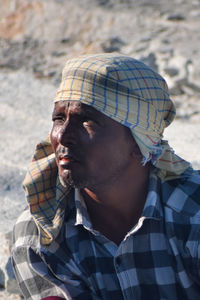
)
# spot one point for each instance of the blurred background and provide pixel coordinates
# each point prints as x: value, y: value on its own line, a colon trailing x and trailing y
x: 37, y: 37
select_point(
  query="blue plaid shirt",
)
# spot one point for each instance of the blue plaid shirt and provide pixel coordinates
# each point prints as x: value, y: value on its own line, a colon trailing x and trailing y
x: 158, y: 259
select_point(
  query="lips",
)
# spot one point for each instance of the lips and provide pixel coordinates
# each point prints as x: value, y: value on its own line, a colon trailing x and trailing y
x: 65, y: 160
x: 66, y: 156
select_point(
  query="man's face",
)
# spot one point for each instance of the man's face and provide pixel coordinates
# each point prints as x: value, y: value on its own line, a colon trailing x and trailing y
x: 91, y: 149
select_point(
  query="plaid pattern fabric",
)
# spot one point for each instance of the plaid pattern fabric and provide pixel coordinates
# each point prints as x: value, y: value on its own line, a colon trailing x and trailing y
x: 44, y: 192
x: 127, y: 91
x: 159, y: 258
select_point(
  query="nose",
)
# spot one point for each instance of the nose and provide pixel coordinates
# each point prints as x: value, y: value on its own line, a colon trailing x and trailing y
x: 67, y: 134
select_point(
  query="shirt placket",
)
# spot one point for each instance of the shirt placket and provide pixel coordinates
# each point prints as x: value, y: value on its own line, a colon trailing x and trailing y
x: 127, y: 277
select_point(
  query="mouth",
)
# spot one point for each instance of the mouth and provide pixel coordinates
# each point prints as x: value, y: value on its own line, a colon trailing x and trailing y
x: 66, y: 160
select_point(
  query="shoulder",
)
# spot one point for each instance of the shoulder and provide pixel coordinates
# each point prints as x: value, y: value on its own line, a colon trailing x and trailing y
x: 182, y: 195
x: 25, y: 232
x: 181, y: 208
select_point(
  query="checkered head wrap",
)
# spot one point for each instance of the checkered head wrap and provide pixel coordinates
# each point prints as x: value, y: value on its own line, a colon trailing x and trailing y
x: 123, y: 89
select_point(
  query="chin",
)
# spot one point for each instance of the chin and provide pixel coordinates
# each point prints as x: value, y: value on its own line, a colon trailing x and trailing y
x: 72, y: 181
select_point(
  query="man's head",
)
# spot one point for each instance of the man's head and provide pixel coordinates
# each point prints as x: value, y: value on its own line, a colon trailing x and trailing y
x: 91, y: 149
x: 130, y: 93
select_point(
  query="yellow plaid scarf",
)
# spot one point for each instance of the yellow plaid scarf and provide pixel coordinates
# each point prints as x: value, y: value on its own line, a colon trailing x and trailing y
x: 123, y: 89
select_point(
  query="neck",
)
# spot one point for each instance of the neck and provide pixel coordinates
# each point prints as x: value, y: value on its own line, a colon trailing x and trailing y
x: 118, y: 204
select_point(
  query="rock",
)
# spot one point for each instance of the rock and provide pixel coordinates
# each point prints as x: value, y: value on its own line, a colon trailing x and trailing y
x: 113, y: 44
x: 14, y: 54
x: 176, y: 90
x: 175, y: 71
x: 57, y: 54
x: 150, y: 60
x: 176, y: 17
x: 105, y: 3
x: 191, y: 89
x: 171, y: 71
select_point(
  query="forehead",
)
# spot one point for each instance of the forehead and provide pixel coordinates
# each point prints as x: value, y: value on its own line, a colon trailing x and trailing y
x: 75, y: 106
x: 79, y: 108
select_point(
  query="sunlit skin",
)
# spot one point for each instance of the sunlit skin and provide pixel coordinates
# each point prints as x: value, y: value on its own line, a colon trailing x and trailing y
x: 100, y: 157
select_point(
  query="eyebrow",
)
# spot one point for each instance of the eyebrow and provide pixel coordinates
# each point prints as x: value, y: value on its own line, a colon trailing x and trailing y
x: 85, y: 109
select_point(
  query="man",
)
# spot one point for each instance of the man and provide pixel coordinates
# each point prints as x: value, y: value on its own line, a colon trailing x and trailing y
x: 113, y: 212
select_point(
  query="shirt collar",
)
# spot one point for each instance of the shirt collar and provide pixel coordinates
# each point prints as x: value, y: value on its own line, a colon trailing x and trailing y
x: 82, y: 216
x: 153, y: 208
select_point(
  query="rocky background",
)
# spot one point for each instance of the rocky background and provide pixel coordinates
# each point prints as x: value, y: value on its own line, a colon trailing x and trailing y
x: 36, y: 38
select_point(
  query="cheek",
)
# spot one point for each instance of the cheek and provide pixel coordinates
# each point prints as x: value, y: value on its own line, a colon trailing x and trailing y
x: 101, y: 153
x: 111, y: 153
x: 53, y: 139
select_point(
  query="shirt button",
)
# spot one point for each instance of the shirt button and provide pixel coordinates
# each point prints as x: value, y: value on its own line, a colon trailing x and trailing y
x: 118, y: 260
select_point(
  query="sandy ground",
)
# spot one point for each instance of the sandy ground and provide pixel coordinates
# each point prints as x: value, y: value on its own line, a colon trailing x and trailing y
x: 25, y: 113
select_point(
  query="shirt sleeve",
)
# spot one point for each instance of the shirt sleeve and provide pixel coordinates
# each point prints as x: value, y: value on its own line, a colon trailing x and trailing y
x: 35, y: 276
x: 39, y: 283
x: 32, y: 285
